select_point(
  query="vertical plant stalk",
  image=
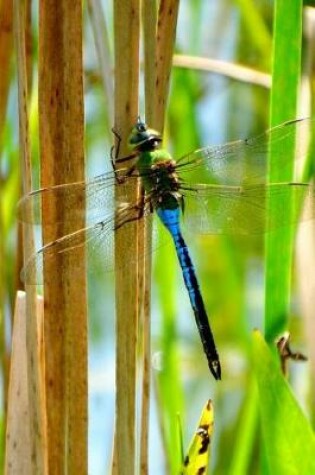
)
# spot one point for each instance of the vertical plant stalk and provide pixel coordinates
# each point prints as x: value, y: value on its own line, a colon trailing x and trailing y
x: 29, y: 45
x: 157, y: 65
x: 126, y: 28
x: 36, y: 393
x: 286, y: 66
x: 29, y: 76
x: 103, y: 53
x: 247, y: 432
x: 4, y: 358
x: 258, y: 32
x: 165, y: 37
x: 18, y: 457
x: 6, y: 45
x: 157, y: 90
x: 61, y: 129
x: 149, y: 22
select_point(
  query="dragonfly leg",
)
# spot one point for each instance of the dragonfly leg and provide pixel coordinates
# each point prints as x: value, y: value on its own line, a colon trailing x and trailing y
x: 139, y: 215
x: 139, y: 210
x: 114, y: 153
x: 115, y: 149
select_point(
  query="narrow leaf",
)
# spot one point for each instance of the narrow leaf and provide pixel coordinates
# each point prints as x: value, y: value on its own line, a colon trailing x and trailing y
x: 289, y: 439
x: 197, y: 458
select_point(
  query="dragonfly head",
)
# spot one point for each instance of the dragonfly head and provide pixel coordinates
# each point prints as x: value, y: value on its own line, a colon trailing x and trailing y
x: 142, y: 138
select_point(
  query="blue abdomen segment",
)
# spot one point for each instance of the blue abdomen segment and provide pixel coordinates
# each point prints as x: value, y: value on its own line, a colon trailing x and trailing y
x: 170, y: 219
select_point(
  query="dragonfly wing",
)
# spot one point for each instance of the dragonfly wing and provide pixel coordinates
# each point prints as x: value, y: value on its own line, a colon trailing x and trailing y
x: 90, y: 200
x: 250, y: 209
x: 245, y: 161
x: 97, y: 240
x: 70, y: 244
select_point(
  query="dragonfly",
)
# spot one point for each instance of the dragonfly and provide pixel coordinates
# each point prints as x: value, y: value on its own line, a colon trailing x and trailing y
x: 213, y: 190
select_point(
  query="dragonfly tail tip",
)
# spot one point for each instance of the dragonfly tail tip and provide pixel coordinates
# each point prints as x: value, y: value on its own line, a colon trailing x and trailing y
x: 215, y: 369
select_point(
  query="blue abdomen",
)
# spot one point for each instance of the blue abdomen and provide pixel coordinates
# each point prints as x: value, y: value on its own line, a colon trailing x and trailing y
x: 170, y: 218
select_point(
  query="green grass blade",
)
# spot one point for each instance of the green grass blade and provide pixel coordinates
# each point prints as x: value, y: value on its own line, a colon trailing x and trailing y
x: 169, y: 386
x: 245, y: 437
x: 285, y: 81
x: 256, y: 28
x: 286, y: 60
x: 288, y: 436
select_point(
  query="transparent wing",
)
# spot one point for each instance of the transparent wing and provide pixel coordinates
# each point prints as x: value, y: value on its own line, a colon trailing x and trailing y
x: 245, y: 161
x: 90, y: 200
x: 97, y: 239
x: 234, y: 163
x: 91, y: 211
x: 210, y: 208
x: 216, y: 209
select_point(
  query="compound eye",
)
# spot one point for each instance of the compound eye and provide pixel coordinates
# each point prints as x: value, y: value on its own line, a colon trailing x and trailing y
x: 141, y: 126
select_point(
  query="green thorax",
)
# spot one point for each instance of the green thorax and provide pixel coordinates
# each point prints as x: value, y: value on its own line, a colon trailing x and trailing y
x: 146, y: 161
x: 159, y: 178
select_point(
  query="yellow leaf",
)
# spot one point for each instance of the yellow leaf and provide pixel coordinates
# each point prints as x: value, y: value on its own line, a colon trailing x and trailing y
x: 197, y: 458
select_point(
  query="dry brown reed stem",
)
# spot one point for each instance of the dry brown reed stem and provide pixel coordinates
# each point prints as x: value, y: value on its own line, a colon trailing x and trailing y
x: 223, y: 68
x: 18, y: 441
x: 149, y: 22
x: 101, y: 40
x: 61, y: 128
x: 126, y: 28
x: 166, y: 32
x: 34, y: 375
x: 6, y: 44
x: 29, y: 45
x: 157, y: 66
